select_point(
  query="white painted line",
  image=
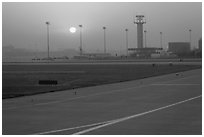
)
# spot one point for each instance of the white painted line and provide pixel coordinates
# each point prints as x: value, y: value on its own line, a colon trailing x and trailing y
x: 72, y: 128
x: 110, y: 122
x: 175, y: 84
x: 132, y: 116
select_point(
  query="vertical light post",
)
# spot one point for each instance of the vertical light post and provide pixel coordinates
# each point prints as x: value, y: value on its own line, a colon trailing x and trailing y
x: 48, y: 42
x: 126, y: 30
x: 145, y: 32
x: 80, y: 48
x: 190, y: 36
x: 104, y: 28
x: 161, y: 39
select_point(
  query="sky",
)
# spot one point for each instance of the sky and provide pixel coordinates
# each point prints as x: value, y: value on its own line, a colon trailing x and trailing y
x: 23, y: 24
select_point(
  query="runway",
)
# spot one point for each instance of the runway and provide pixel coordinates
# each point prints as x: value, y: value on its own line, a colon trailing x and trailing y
x: 119, y: 62
x: 169, y: 105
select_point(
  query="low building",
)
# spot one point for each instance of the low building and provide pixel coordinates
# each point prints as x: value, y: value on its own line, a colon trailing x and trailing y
x: 93, y: 56
x: 179, y: 47
x: 97, y: 55
x: 145, y: 52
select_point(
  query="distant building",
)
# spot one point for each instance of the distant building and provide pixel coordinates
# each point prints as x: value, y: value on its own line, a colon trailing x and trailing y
x: 145, y: 52
x: 200, y: 44
x: 93, y: 56
x: 179, y: 47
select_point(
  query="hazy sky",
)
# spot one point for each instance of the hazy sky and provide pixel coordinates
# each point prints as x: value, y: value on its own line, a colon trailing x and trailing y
x: 24, y: 25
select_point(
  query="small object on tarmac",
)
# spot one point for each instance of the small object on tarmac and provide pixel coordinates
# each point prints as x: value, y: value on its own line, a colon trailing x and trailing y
x: 47, y: 82
x: 74, y: 92
x: 177, y: 74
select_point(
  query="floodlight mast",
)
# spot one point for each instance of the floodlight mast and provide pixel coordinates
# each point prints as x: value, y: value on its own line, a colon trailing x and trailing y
x: 126, y: 41
x: 104, y: 28
x: 161, y: 39
x: 48, y: 42
x: 139, y: 21
x: 80, y: 48
x: 190, y: 36
x: 145, y: 32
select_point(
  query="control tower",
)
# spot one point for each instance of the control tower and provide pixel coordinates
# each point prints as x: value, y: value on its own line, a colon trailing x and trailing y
x: 139, y: 21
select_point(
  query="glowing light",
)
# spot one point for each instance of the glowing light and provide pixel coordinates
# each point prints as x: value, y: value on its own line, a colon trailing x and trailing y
x: 72, y: 29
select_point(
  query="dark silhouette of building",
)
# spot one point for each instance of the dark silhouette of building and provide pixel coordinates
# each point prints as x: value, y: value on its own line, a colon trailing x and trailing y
x: 179, y: 47
x: 200, y: 44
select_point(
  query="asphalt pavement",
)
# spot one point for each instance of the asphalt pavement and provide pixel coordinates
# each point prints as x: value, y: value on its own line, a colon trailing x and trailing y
x: 169, y: 105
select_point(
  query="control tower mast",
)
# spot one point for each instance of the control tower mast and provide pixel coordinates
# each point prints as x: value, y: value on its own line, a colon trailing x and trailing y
x: 139, y: 21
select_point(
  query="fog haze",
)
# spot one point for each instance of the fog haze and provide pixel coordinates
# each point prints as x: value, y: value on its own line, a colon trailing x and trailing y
x: 24, y: 25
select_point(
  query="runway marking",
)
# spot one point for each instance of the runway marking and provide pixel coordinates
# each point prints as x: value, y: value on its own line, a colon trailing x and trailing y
x: 175, y: 84
x: 96, y: 94
x: 111, y: 122
x: 132, y: 116
x: 66, y: 129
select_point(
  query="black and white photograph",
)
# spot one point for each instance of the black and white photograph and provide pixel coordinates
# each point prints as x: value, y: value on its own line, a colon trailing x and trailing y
x: 102, y: 68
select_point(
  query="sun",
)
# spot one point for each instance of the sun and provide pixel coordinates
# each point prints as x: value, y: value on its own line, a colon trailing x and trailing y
x: 72, y: 29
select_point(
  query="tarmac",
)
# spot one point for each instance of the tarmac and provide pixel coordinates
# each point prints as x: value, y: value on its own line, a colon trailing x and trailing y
x: 163, y: 105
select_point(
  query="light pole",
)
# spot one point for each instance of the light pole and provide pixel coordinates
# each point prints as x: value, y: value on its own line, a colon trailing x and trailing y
x: 48, y: 42
x: 80, y: 48
x: 190, y: 36
x: 161, y: 39
x: 145, y: 32
x: 126, y: 41
x: 104, y: 28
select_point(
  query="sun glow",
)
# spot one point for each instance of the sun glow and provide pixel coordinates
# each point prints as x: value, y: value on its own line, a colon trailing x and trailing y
x: 72, y: 29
